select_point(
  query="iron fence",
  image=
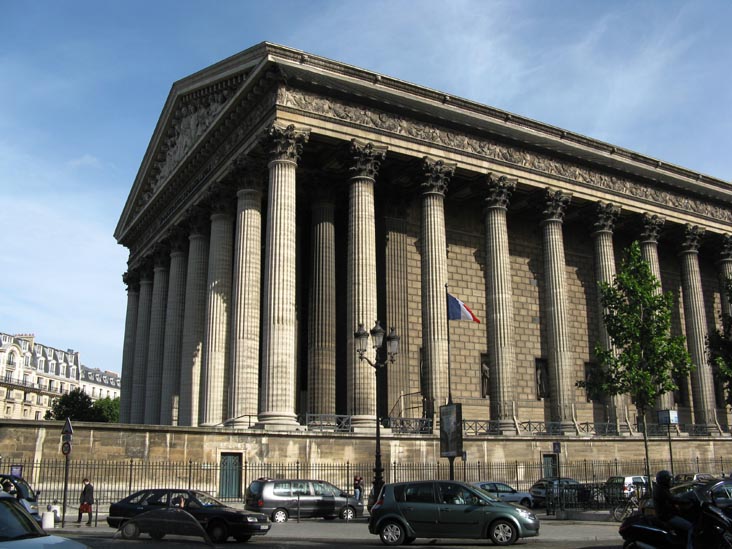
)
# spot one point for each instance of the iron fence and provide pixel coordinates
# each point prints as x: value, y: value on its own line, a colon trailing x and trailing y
x: 114, y: 480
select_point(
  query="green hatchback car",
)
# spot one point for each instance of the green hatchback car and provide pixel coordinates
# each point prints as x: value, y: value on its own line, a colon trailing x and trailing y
x: 446, y: 509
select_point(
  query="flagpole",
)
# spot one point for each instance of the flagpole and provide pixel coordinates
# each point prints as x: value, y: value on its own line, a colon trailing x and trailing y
x: 449, y: 380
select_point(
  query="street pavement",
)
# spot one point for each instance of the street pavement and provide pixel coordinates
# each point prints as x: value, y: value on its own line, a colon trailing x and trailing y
x: 594, y: 531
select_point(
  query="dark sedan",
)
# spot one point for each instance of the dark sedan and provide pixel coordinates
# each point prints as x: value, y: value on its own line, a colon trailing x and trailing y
x: 162, y: 511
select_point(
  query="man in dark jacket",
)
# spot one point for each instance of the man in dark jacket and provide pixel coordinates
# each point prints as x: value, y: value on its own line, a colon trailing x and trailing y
x: 666, y: 506
x: 86, y: 500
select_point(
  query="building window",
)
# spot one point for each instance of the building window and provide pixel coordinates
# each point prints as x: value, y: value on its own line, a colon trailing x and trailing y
x: 38, y: 416
x: 27, y: 361
x: 11, y: 359
x: 542, y: 378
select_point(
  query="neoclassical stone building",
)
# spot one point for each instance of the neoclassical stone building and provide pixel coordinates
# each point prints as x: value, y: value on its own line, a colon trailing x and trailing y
x: 285, y: 198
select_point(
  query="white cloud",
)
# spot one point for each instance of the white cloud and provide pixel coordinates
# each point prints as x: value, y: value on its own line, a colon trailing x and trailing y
x: 85, y: 160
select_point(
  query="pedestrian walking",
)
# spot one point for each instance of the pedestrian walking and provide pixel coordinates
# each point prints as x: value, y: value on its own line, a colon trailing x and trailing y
x: 86, y: 500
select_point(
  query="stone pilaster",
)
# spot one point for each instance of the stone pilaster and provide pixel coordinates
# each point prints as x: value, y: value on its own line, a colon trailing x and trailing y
x: 561, y: 376
x: 130, y: 279
x: 170, y: 390
x: 725, y: 272
x: 194, y: 317
x: 361, y: 277
x: 244, y: 392
x: 154, y: 377
x: 322, y: 307
x: 652, y: 225
x: 702, y: 384
x: 437, y: 175
x: 216, y: 338
x: 606, y: 216
x: 142, y: 334
x: 499, y: 302
x: 279, y: 322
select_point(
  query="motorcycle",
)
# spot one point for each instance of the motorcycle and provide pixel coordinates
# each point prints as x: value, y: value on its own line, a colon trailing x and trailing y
x: 712, y: 529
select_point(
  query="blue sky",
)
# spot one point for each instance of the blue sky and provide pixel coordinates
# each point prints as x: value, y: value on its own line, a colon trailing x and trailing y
x: 82, y: 85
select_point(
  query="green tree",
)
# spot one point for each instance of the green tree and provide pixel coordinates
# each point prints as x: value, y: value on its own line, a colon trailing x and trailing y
x: 107, y: 410
x: 75, y: 405
x: 644, y: 359
x: 720, y: 348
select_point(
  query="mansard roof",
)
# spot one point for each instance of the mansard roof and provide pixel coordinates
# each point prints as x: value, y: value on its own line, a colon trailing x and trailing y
x: 204, y: 100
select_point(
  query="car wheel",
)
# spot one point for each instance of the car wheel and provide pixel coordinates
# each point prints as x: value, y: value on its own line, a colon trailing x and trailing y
x: 130, y: 530
x: 156, y: 534
x: 503, y: 532
x: 279, y: 515
x: 526, y: 502
x: 348, y: 513
x: 218, y: 532
x: 242, y: 538
x: 392, y: 533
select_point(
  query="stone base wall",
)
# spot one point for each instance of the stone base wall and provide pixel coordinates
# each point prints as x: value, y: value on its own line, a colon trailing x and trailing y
x: 41, y: 440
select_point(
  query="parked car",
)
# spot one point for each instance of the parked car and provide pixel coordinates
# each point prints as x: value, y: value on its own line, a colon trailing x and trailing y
x: 446, y: 509
x: 282, y: 498
x: 619, y: 488
x: 503, y: 492
x: 19, y: 529
x: 570, y: 488
x: 18, y: 487
x: 141, y: 512
x: 688, y: 477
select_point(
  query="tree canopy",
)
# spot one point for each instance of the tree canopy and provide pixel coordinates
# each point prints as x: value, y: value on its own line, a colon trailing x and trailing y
x: 78, y: 406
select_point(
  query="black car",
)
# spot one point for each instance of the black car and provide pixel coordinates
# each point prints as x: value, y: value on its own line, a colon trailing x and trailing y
x: 161, y: 511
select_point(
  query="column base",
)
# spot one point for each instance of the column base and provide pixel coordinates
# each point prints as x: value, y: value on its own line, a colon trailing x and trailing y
x: 278, y: 421
x: 361, y: 422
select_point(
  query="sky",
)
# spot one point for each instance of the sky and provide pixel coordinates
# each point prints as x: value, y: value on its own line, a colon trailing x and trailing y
x: 82, y: 84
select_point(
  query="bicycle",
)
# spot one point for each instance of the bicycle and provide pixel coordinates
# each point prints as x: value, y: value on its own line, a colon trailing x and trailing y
x: 626, y: 508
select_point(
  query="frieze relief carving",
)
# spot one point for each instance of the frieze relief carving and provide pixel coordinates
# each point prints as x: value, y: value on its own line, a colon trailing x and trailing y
x: 358, y: 114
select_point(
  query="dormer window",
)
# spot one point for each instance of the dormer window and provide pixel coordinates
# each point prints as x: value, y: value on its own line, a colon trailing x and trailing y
x: 11, y: 360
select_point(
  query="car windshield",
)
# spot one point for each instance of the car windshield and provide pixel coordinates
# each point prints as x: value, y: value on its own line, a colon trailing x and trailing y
x: 485, y: 494
x: 16, y: 523
x: 207, y: 501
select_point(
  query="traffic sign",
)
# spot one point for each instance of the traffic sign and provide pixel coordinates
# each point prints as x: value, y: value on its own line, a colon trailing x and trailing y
x: 67, y: 430
x: 66, y: 448
x: 66, y: 438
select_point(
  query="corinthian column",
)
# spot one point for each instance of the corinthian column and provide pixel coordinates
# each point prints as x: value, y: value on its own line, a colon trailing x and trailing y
x: 322, y: 308
x: 216, y: 338
x: 725, y: 272
x: 154, y: 378
x: 279, y: 323
x: 499, y: 302
x: 652, y: 225
x: 244, y: 393
x: 437, y: 175
x: 607, y: 215
x: 170, y: 389
x: 137, y: 399
x: 130, y: 278
x: 702, y: 385
x: 560, y: 354
x: 194, y: 317
x: 361, y: 277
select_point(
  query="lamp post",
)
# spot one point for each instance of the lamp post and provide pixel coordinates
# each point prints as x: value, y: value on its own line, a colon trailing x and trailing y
x: 392, y: 349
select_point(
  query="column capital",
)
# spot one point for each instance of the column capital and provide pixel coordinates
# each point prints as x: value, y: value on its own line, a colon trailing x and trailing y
x: 725, y: 253
x: 367, y: 158
x: 555, y: 206
x: 197, y: 219
x: 176, y: 238
x: 607, y: 214
x: 220, y: 198
x: 437, y: 175
x: 498, y: 190
x: 246, y: 173
x: 652, y: 225
x: 692, y: 238
x: 160, y: 255
x: 132, y: 280
x: 286, y: 143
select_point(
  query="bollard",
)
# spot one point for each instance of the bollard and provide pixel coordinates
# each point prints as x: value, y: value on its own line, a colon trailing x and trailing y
x: 48, y: 520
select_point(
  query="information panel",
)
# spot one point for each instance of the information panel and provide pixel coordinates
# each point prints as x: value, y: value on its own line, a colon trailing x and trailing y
x: 451, y: 430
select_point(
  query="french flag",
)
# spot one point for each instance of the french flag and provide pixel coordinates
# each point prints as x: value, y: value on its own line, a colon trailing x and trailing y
x: 457, y: 310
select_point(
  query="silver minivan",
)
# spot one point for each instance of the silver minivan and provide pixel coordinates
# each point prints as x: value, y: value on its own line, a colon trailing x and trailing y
x: 285, y: 498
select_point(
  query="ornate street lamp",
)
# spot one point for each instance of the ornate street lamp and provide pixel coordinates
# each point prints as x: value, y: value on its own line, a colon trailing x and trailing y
x: 392, y: 349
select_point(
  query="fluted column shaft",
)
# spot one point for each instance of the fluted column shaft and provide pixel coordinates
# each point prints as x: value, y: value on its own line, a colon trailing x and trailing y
x: 559, y: 352
x: 170, y: 390
x: 216, y: 336
x: 702, y: 385
x: 605, y: 272
x: 193, y: 326
x: 137, y: 400
x: 279, y: 321
x: 361, y: 278
x: 244, y: 403
x: 154, y: 378
x: 725, y: 273
x: 128, y: 348
x: 652, y: 225
x: 322, y: 310
x: 499, y: 302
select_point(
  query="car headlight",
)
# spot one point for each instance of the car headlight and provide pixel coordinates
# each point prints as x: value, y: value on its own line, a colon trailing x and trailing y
x: 526, y: 514
x: 251, y: 518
